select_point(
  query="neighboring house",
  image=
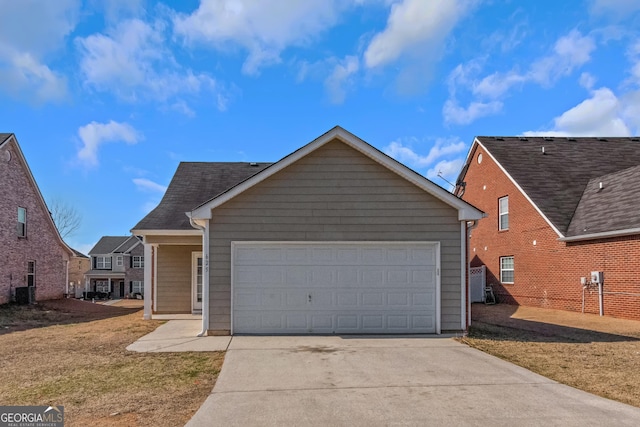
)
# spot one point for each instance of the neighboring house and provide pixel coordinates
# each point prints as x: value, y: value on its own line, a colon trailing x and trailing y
x: 336, y: 237
x: 558, y: 209
x: 78, y: 265
x: 33, y: 254
x: 117, y: 268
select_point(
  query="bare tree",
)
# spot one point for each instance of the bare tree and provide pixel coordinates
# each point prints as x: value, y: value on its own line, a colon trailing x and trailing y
x: 65, y: 216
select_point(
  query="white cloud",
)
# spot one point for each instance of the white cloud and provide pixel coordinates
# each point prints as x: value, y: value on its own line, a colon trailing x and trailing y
x: 340, y: 79
x: 569, y: 53
x: 600, y: 115
x: 455, y: 114
x: 132, y: 61
x: 262, y: 28
x: 95, y: 134
x: 144, y: 184
x: 447, y: 169
x: 414, y: 27
x: 617, y: 8
x: 587, y: 81
x: 30, y: 31
x: 405, y: 154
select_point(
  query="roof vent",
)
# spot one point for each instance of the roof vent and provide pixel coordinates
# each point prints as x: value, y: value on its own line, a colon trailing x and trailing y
x: 522, y: 138
x: 600, y: 186
x: 543, y: 150
x: 548, y: 138
x: 253, y: 165
x: 602, y: 139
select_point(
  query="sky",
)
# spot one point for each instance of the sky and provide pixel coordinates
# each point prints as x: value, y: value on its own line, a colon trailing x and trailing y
x: 106, y: 97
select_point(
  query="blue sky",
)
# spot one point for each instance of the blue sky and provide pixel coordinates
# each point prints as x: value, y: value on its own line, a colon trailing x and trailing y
x: 107, y: 97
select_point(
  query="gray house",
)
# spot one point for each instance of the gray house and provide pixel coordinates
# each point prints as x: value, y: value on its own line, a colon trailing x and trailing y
x: 336, y: 237
x: 117, y: 268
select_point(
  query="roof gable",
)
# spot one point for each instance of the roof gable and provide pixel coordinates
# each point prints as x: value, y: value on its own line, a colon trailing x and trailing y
x: 108, y: 244
x: 553, y: 172
x: 9, y: 139
x: 465, y: 210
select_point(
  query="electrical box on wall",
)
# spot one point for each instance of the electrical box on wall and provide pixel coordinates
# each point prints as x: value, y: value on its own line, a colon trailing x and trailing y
x: 597, y: 277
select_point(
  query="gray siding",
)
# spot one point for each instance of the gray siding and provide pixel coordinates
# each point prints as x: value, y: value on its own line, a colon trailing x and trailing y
x: 333, y: 194
x: 174, y: 278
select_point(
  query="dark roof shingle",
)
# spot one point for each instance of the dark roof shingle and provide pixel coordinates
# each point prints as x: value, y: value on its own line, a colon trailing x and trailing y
x: 193, y: 184
x: 107, y: 244
x: 613, y: 207
x: 556, y: 180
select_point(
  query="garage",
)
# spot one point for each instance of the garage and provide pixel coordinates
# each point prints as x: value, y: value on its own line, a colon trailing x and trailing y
x: 335, y: 287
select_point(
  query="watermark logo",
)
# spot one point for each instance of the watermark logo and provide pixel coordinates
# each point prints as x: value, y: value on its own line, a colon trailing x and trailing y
x: 31, y: 416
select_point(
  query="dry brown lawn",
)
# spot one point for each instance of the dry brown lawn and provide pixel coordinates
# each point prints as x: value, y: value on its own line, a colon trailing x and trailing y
x: 72, y: 353
x: 603, y: 363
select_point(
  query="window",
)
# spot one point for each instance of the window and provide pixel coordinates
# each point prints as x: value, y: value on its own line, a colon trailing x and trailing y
x: 102, y: 286
x: 138, y: 261
x: 22, y: 222
x: 137, y: 287
x: 119, y: 261
x: 503, y: 213
x: 31, y: 273
x: 103, y: 263
x: 506, y: 269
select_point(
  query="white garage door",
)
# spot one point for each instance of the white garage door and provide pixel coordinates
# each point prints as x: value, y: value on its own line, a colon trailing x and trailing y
x: 324, y: 288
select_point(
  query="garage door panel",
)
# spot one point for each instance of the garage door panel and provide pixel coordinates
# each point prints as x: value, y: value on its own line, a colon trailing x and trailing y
x: 372, y: 287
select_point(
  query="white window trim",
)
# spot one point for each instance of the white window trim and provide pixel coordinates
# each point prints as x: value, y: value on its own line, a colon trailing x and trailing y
x: 501, y: 214
x: 137, y: 287
x: 138, y: 261
x: 511, y: 269
x: 31, y: 273
x: 103, y: 265
x: 119, y: 261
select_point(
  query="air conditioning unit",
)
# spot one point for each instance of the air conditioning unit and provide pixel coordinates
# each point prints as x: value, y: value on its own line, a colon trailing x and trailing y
x: 597, y: 277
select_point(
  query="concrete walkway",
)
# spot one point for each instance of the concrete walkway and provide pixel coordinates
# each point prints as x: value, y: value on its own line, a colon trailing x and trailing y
x: 179, y: 335
x: 368, y: 381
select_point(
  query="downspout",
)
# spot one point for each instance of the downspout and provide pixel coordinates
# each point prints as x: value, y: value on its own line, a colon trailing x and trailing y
x: 66, y: 279
x: 205, y: 275
x: 470, y: 226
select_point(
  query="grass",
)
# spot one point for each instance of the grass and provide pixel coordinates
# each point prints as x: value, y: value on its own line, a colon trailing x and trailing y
x: 51, y: 355
x: 603, y: 364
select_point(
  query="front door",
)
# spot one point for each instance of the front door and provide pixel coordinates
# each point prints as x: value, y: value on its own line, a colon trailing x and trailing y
x: 196, y: 281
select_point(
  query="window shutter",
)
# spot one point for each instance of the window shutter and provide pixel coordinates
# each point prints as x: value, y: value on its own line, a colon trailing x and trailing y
x: 130, y: 261
x: 130, y: 286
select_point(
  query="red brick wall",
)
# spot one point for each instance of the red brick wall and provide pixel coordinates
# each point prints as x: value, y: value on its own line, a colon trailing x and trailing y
x: 547, y: 271
x: 41, y: 244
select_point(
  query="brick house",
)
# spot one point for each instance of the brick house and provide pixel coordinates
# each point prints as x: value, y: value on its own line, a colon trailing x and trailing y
x: 117, y: 267
x: 558, y: 209
x: 33, y: 254
x: 79, y: 264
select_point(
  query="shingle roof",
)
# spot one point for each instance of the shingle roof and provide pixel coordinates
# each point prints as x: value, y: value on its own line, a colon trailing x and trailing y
x: 615, y: 206
x: 4, y: 137
x: 107, y: 244
x: 79, y: 254
x: 556, y: 180
x: 193, y: 184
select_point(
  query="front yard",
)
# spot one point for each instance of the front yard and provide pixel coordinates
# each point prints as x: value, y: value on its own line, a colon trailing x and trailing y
x: 602, y: 363
x: 72, y: 353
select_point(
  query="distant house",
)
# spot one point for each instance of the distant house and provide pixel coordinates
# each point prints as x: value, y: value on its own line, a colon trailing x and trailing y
x: 79, y: 264
x: 336, y: 237
x: 558, y: 209
x: 117, y: 268
x: 32, y: 254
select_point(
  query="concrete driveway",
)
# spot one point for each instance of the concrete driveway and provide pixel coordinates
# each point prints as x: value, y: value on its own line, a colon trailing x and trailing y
x: 345, y: 381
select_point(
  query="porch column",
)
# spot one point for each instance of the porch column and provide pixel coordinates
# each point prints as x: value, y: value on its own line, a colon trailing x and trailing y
x: 148, y: 279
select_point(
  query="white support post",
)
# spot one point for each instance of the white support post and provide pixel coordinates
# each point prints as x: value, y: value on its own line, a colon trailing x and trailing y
x: 148, y: 263
x: 205, y: 280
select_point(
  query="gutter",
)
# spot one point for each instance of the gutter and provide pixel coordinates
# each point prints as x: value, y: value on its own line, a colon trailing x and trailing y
x: 603, y: 235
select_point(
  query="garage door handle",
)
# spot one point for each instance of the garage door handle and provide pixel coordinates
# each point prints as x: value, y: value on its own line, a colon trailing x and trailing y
x: 309, y: 297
